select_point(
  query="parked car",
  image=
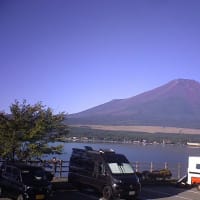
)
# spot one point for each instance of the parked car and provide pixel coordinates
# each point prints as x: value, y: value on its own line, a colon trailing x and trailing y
x: 106, y: 171
x: 21, y: 181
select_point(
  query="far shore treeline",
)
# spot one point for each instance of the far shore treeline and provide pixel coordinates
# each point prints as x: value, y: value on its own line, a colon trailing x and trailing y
x: 86, y: 133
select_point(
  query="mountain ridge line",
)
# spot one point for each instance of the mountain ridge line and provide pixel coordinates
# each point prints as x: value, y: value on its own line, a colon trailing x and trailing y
x: 174, y: 104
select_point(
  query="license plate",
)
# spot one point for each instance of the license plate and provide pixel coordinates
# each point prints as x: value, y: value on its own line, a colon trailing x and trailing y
x: 39, y: 196
x: 131, y: 192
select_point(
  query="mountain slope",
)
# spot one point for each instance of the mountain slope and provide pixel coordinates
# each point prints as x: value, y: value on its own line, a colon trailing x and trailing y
x: 176, y: 103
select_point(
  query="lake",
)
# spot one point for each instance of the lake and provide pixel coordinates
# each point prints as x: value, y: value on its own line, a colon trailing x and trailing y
x: 156, y: 153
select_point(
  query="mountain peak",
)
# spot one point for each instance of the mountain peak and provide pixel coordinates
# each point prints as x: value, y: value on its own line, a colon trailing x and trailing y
x: 184, y: 86
x: 176, y: 103
x: 184, y: 81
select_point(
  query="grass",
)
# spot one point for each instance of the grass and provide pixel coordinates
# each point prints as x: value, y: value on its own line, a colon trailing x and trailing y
x: 146, y: 129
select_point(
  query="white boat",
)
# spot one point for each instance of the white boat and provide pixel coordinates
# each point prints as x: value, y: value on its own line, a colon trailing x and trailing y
x: 196, y: 144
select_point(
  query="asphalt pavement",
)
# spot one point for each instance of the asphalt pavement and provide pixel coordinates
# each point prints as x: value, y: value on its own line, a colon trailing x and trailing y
x: 149, y: 192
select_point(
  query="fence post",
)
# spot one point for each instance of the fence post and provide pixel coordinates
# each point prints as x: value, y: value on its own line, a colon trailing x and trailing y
x: 179, y: 171
x: 136, y: 166
x: 166, y: 165
x: 61, y: 163
x: 151, y: 166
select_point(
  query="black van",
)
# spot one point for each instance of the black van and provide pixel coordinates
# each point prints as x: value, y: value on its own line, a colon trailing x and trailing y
x: 106, y: 171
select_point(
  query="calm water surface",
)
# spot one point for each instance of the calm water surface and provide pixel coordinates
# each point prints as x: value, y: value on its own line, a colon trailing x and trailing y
x: 157, y: 153
x: 141, y: 153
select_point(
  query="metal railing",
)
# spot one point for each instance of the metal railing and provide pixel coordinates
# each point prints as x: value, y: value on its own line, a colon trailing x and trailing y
x: 60, y: 168
x: 178, y: 170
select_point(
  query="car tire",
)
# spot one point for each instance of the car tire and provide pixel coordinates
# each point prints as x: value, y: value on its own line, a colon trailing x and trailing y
x: 20, y: 197
x: 107, y: 193
x: 1, y: 191
x: 198, y: 187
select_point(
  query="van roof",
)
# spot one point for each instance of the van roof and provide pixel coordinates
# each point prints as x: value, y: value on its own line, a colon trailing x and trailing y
x: 91, y: 150
x: 108, y: 155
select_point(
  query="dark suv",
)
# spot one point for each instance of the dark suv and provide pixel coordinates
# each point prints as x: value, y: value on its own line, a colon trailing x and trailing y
x: 21, y: 181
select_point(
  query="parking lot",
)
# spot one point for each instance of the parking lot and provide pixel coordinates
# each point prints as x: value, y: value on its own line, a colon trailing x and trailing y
x: 148, y: 192
x: 169, y: 193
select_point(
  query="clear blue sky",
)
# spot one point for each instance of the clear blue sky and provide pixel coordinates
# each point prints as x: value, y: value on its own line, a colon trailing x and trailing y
x: 76, y: 54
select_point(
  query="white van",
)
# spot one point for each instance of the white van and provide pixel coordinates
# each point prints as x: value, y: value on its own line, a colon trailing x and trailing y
x: 193, y: 172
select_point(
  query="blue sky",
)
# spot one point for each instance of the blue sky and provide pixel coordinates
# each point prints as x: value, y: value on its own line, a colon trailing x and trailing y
x: 76, y: 54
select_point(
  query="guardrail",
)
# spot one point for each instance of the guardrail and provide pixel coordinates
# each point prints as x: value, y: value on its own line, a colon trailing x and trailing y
x: 178, y: 170
x: 60, y: 168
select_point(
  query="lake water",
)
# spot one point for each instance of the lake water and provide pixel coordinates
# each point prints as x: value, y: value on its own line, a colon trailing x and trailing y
x: 156, y: 153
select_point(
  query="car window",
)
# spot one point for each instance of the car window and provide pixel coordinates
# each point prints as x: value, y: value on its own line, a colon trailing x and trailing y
x: 3, y: 168
x: 16, y: 174
x: 8, y: 171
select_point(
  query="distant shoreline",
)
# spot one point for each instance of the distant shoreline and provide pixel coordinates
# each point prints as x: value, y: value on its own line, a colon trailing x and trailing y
x: 94, y: 141
x: 146, y: 129
x: 133, y: 134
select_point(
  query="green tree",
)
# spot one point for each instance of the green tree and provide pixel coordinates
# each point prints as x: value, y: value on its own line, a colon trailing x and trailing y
x: 26, y: 132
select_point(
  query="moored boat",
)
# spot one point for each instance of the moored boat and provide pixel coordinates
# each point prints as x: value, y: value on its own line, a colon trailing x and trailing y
x: 196, y: 144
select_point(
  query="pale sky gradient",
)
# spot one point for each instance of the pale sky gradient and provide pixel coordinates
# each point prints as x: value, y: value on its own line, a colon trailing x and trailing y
x: 76, y: 54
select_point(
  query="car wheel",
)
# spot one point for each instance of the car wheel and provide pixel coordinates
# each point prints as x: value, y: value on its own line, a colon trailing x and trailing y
x: 107, y: 192
x: 20, y: 197
x: 1, y: 191
x: 198, y: 187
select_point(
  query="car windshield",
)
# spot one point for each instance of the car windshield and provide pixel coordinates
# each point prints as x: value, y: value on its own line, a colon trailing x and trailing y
x: 120, y: 168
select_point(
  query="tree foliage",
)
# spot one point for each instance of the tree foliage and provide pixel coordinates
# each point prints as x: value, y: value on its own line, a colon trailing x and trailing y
x: 28, y: 130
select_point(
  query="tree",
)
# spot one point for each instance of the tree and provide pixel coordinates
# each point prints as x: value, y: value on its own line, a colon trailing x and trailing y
x: 28, y: 130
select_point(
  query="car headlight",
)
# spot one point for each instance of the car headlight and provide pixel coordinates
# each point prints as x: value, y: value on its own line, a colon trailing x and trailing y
x: 27, y: 187
x: 116, y: 183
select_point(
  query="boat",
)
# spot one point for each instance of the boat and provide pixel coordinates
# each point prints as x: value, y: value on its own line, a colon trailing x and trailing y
x: 194, y: 144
